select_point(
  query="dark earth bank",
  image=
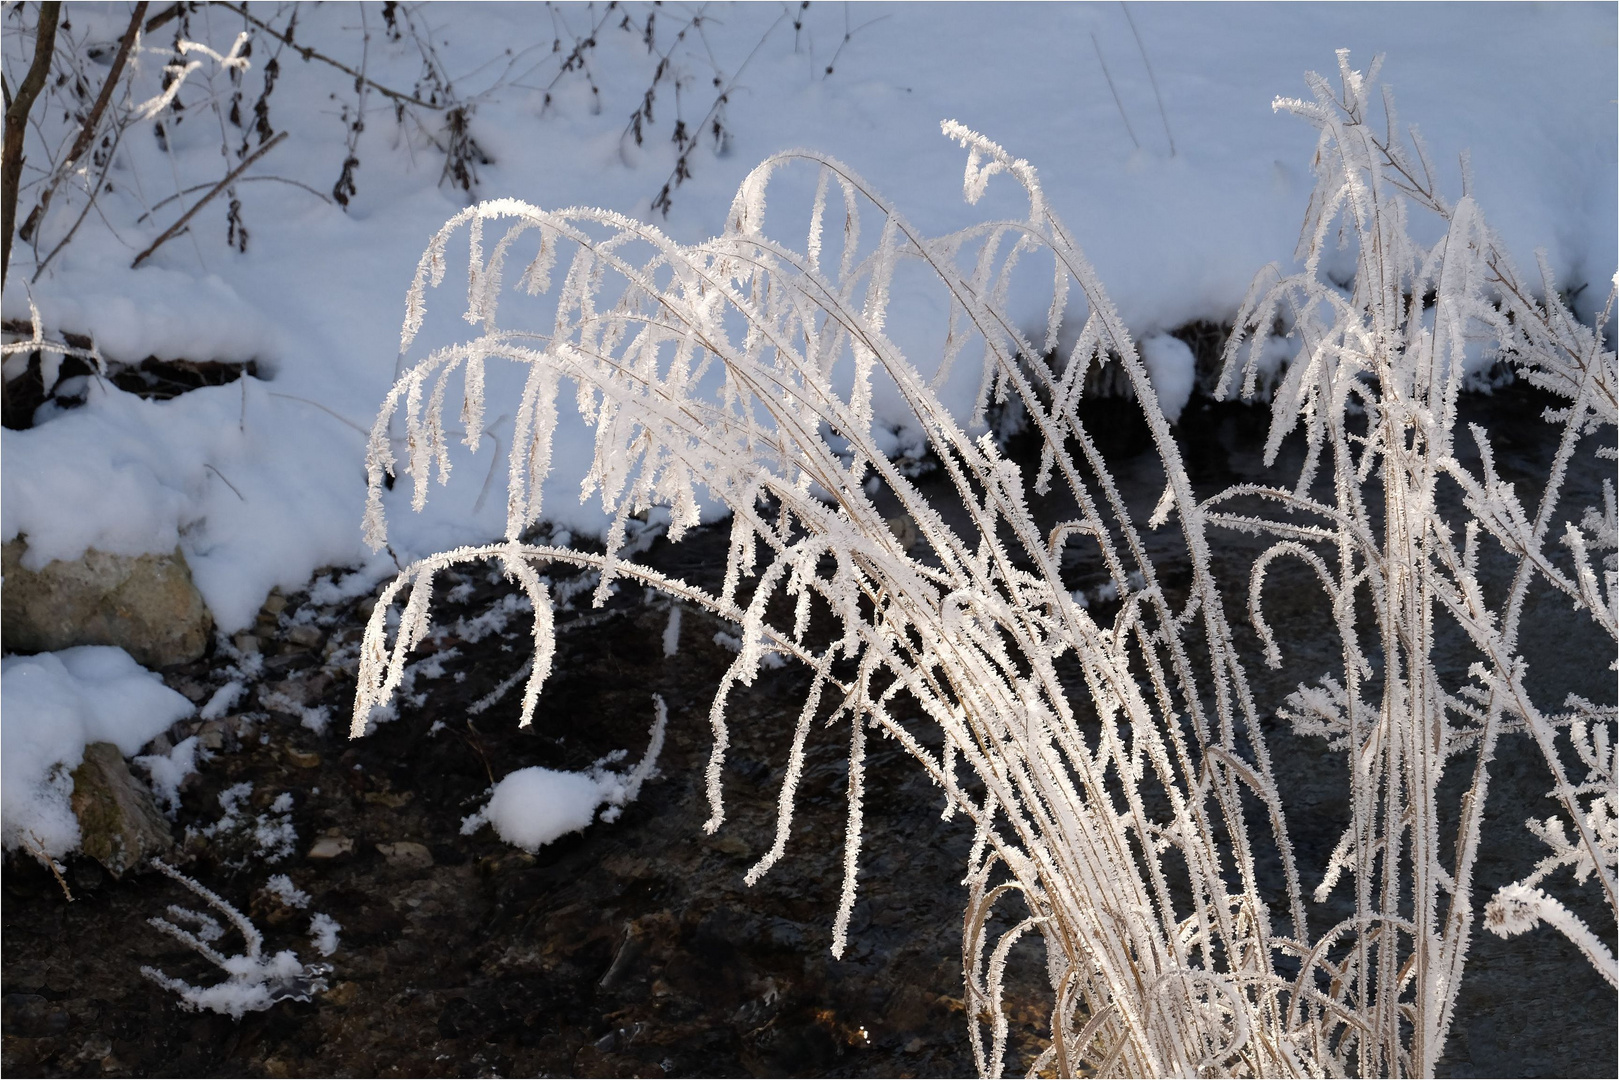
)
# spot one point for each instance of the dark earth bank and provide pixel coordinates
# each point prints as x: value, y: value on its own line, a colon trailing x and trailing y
x: 634, y: 948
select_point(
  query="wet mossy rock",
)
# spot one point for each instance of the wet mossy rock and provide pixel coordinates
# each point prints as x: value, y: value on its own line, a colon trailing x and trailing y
x: 119, y: 825
x: 146, y: 604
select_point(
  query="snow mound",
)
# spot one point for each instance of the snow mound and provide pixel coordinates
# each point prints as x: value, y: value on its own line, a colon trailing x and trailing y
x: 51, y: 706
x: 532, y: 807
x: 1173, y: 371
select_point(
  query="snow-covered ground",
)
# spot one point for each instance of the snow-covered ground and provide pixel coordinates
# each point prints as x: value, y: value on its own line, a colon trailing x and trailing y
x: 1178, y: 179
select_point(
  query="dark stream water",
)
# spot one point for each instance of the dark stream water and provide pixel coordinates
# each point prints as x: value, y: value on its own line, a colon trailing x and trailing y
x: 634, y: 948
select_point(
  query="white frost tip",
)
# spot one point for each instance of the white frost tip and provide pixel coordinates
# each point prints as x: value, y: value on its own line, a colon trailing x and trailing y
x: 671, y: 631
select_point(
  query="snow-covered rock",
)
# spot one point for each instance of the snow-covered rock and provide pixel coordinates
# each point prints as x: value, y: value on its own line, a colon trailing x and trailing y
x: 146, y: 605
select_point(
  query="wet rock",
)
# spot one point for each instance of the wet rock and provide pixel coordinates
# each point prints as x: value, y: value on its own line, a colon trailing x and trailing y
x: 301, y: 690
x: 344, y: 993
x: 33, y: 1016
x: 194, y: 691
x: 120, y: 825
x: 147, y: 605
x: 302, y: 759
x: 219, y: 734
x: 331, y: 847
x: 305, y: 636
x: 407, y: 854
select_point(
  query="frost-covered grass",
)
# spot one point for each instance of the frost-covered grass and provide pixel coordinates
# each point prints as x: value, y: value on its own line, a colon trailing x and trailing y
x: 1122, y: 807
x: 253, y: 981
x: 259, y: 483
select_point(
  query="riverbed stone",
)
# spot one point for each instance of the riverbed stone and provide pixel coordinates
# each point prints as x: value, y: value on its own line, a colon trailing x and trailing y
x: 119, y: 823
x: 147, y: 605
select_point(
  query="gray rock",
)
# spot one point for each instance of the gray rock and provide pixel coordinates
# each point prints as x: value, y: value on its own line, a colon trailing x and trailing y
x: 331, y: 847
x: 119, y: 825
x: 147, y: 605
x: 408, y: 854
x: 305, y: 635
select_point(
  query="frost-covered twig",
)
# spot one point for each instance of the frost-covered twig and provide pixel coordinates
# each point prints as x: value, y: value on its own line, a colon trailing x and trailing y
x: 1397, y: 344
x: 253, y: 982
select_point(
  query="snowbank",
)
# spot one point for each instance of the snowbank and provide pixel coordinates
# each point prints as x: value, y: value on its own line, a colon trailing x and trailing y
x: 51, y: 706
x: 1179, y: 195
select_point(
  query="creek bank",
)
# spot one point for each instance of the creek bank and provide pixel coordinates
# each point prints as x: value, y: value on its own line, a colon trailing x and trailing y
x: 634, y: 948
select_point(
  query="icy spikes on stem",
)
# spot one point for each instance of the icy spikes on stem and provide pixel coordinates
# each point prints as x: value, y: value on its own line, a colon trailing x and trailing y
x: 752, y: 370
x: 253, y: 982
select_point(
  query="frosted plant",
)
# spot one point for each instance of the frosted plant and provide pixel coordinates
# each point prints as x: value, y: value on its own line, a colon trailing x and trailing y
x: 1391, y: 521
x: 1115, y: 772
x: 253, y: 982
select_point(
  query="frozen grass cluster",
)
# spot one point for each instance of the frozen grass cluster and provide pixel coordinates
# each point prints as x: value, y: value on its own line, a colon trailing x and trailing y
x: 253, y: 981
x: 1115, y: 770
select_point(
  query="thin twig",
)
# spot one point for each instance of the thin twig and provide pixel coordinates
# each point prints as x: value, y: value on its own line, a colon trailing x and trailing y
x: 230, y: 177
x: 92, y: 122
x: 37, y: 850
x: 1115, y: 91
x: 322, y: 408
x: 848, y: 36
x: 90, y: 203
x: 222, y: 476
x: 312, y: 54
x: 17, y: 122
x: 321, y: 195
x: 679, y: 172
x: 1154, y: 78
x: 167, y: 15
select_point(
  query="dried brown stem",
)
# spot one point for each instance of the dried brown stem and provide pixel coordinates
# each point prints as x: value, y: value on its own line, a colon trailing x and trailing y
x: 314, y: 54
x: 92, y: 122
x: 230, y: 178
x: 16, y: 123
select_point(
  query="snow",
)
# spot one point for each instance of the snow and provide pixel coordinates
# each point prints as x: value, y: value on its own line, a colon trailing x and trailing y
x: 531, y: 807
x: 671, y: 631
x: 53, y: 705
x: 260, y: 483
x: 251, y: 986
x: 323, y: 933
x: 223, y: 700
x: 271, y: 835
x: 169, y: 771
x: 1170, y: 367
x: 281, y: 887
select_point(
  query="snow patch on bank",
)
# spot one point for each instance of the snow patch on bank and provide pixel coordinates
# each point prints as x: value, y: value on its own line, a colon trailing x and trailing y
x: 532, y: 807
x: 51, y: 706
x: 260, y: 483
